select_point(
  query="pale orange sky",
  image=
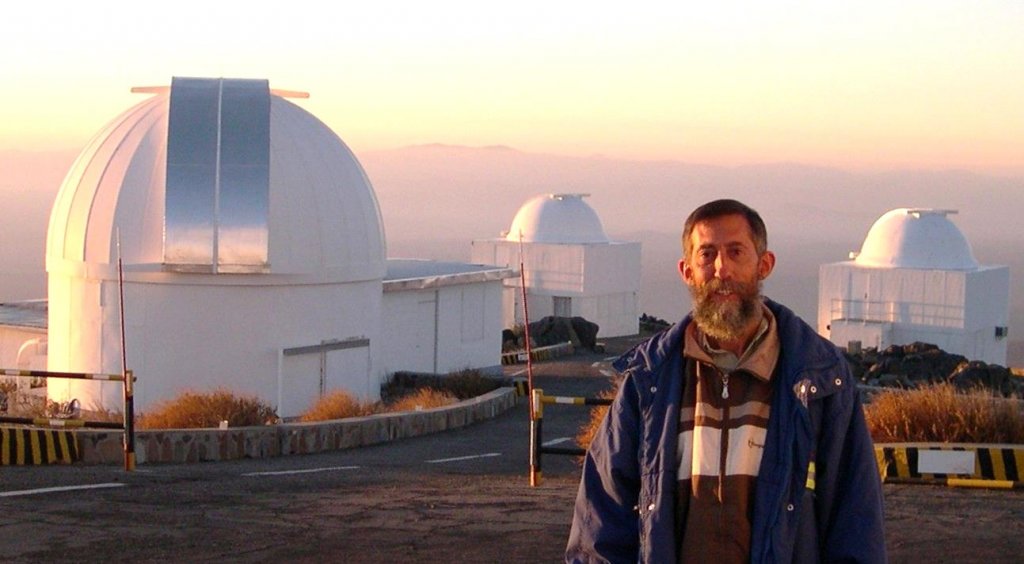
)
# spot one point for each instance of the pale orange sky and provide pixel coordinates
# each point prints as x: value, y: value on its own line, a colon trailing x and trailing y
x: 869, y: 85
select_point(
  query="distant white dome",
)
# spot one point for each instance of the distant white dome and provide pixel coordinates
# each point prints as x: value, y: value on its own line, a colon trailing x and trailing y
x: 317, y: 217
x: 916, y: 238
x: 557, y: 218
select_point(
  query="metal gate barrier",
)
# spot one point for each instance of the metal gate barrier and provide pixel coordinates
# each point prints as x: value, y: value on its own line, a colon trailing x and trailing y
x: 537, y: 448
x: 128, y: 425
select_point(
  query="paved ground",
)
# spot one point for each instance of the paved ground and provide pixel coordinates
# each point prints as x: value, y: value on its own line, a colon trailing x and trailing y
x: 458, y: 496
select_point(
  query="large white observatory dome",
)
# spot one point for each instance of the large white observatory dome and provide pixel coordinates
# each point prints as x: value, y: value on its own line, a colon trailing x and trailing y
x: 559, y: 219
x: 252, y: 247
x: 250, y: 190
x: 916, y: 238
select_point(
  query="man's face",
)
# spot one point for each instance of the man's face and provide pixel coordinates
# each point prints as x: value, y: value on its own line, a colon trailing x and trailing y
x: 724, y: 273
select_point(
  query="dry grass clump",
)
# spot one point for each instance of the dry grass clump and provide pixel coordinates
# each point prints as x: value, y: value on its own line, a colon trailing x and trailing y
x: 338, y: 404
x: 597, y: 413
x: 939, y: 413
x: 103, y: 414
x: 425, y: 398
x: 193, y: 410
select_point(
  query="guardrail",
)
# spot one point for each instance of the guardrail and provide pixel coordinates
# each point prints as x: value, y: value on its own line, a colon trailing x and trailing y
x: 537, y: 448
x: 21, y: 447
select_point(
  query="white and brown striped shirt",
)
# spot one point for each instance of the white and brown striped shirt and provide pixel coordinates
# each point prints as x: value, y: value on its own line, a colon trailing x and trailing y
x: 723, y: 422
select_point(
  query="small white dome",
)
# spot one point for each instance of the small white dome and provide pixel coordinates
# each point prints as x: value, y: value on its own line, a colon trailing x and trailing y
x: 318, y: 215
x: 557, y: 218
x: 916, y: 238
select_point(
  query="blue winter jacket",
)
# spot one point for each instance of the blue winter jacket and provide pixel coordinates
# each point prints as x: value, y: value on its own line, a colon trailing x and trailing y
x: 625, y: 507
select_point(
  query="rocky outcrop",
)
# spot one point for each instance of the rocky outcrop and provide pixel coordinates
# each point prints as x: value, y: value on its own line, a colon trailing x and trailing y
x: 553, y: 330
x: 919, y: 364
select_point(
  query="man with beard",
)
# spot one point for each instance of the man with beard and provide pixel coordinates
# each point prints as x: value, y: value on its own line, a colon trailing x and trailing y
x: 737, y: 435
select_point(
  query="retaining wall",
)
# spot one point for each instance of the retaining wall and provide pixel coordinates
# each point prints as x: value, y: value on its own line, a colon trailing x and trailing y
x: 209, y: 445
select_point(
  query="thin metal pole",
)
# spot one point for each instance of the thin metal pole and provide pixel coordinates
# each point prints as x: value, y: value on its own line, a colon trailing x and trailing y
x: 526, y: 327
x: 129, y: 392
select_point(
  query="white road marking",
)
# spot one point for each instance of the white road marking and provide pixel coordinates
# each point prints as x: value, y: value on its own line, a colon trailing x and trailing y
x: 608, y: 373
x: 518, y: 372
x: 60, y: 489
x: 557, y: 441
x: 460, y: 458
x: 303, y: 471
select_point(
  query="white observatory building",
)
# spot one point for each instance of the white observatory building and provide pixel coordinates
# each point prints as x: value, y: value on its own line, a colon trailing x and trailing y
x: 916, y: 279
x: 572, y: 268
x: 253, y: 258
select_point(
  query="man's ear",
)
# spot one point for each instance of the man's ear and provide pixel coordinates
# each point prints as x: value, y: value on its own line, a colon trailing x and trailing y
x: 765, y: 265
x: 685, y: 272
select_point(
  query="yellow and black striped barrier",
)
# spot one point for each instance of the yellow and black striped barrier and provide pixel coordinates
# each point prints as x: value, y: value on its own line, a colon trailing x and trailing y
x: 539, y: 353
x: 23, y: 447
x: 537, y: 447
x: 31, y: 446
x: 68, y: 375
x: 959, y: 465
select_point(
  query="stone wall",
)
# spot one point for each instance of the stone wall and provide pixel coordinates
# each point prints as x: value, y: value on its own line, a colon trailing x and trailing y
x: 209, y: 445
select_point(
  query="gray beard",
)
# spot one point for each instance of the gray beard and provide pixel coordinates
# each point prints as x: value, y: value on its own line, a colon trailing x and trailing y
x: 725, y: 322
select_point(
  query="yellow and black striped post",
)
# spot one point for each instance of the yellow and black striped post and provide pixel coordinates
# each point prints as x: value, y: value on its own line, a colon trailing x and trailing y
x: 536, y: 425
x: 129, y: 420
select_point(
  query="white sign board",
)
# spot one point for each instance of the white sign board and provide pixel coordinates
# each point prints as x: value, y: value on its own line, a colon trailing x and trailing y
x: 945, y: 461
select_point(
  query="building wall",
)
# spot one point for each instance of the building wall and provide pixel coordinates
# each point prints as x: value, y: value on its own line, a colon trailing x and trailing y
x: 954, y: 309
x: 208, y: 336
x: 442, y: 329
x: 602, y: 280
x: 616, y: 314
x: 409, y: 337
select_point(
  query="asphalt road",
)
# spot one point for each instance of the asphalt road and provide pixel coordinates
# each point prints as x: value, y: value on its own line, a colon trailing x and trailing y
x: 457, y: 496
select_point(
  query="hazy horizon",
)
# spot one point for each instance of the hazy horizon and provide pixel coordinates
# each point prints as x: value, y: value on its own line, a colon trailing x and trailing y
x: 863, y: 86
x: 435, y: 199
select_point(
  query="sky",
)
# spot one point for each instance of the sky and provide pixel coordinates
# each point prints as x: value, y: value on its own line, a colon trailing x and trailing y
x: 871, y: 85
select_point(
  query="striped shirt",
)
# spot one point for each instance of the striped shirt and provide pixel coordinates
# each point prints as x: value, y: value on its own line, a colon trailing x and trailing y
x: 723, y: 423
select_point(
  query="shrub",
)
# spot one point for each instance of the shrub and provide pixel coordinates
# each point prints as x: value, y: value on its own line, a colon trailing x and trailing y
x: 939, y: 413
x: 464, y: 384
x: 193, y: 410
x: 338, y: 404
x: 424, y: 398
